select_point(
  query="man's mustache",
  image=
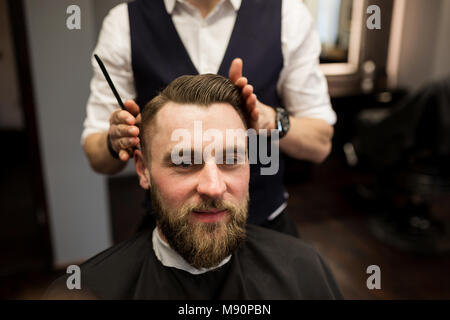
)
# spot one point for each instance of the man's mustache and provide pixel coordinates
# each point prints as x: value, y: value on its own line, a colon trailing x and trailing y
x: 213, y: 204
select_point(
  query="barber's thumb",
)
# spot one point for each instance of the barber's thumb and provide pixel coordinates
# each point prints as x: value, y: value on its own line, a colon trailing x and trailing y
x: 235, y: 69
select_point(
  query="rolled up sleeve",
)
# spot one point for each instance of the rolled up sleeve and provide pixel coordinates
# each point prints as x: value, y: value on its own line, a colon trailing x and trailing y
x: 302, y: 85
x: 114, y: 48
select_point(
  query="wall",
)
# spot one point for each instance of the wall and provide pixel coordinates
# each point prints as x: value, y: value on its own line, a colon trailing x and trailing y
x: 10, y: 111
x: 424, y: 54
x: 60, y: 60
x: 442, y: 56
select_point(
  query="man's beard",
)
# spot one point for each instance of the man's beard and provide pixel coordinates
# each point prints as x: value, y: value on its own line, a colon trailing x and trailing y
x: 202, y: 245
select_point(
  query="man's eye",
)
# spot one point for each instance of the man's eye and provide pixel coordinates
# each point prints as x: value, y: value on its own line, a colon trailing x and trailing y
x: 183, y: 165
x: 234, y: 161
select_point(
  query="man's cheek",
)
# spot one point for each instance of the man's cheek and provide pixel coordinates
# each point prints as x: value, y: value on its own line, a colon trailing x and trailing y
x: 173, y: 195
x: 241, y: 178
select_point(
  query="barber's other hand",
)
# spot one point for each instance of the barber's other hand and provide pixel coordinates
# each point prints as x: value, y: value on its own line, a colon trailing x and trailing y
x: 123, y: 130
x: 261, y: 116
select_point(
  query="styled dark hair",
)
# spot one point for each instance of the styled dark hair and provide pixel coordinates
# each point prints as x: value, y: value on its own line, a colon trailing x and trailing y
x: 202, y: 90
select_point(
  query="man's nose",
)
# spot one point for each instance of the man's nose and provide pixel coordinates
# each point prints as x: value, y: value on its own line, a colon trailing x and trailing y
x: 211, y: 182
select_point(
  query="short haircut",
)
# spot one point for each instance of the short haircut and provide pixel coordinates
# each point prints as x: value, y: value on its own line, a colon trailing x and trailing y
x: 201, y: 90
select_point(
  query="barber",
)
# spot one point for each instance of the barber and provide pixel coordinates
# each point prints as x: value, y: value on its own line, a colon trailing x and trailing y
x: 147, y: 44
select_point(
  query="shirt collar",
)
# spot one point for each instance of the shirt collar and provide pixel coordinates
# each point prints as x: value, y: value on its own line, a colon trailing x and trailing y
x: 236, y: 4
x: 170, y: 5
x: 170, y: 258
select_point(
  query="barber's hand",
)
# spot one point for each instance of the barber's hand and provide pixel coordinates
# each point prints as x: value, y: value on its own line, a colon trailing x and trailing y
x: 124, y: 131
x: 261, y: 116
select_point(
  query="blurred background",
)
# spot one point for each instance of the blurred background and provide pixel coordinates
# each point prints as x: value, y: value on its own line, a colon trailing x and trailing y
x: 381, y: 198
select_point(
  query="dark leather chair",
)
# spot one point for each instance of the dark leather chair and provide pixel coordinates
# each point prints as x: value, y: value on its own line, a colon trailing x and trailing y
x: 409, y: 151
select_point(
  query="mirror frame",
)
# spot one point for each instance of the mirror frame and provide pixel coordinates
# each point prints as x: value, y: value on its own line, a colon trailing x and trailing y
x: 344, y: 79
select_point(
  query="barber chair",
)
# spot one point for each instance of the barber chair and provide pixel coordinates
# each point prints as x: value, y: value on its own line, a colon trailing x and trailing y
x: 408, y: 149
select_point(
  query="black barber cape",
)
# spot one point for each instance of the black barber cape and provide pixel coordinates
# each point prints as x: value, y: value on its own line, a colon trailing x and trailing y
x: 268, y: 265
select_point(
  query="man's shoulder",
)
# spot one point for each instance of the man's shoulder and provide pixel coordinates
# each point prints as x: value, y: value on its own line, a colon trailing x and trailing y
x: 301, y: 272
x: 120, y: 9
x: 279, y: 249
x: 108, y: 272
x: 271, y: 241
x: 136, y: 246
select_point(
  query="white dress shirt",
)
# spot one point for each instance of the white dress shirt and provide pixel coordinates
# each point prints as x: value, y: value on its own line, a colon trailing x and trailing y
x: 301, y: 85
x: 172, y: 259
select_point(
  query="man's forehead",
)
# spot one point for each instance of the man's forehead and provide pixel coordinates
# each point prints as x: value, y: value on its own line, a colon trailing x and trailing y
x: 177, y: 124
x: 217, y: 115
x: 194, y: 118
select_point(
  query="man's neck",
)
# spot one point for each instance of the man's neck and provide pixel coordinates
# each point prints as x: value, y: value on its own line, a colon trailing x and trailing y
x: 204, y: 6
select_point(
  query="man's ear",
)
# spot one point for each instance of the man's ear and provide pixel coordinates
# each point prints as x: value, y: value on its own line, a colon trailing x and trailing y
x: 141, y: 169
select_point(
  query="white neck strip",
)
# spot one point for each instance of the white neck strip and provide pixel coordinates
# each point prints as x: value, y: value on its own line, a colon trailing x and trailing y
x: 170, y: 258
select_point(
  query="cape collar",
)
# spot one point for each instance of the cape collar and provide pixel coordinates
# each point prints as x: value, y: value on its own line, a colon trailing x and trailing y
x: 170, y: 258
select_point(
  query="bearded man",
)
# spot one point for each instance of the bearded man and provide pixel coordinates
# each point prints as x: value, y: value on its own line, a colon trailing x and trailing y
x: 201, y: 247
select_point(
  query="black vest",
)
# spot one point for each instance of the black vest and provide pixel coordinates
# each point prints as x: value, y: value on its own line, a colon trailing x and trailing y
x: 159, y: 56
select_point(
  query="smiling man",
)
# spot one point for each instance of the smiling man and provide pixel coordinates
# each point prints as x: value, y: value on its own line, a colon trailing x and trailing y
x: 201, y: 247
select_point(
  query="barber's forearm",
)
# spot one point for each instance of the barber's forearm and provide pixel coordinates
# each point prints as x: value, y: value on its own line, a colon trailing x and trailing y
x: 101, y: 161
x: 308, y: 139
